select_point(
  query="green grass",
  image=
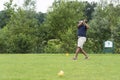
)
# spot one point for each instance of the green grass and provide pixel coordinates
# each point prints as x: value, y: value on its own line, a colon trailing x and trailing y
x: 46, y: 67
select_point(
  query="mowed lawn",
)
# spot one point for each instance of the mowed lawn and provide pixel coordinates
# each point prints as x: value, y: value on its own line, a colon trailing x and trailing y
x: 47, y: 66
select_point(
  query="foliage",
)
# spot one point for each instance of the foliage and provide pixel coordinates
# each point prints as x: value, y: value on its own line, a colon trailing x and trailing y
x: 89, y: 9
x: 24, y: 30
x: 62, y: 20
x: 54, y: 46
x: 104, y: 26
x: 4, y: 18
x: 69, y: 40
x: 20, y: 43
x: 40, y: 17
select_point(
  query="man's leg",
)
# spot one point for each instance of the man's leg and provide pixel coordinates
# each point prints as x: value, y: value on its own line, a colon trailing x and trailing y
x: 84, y: 53
x: 76, y: 53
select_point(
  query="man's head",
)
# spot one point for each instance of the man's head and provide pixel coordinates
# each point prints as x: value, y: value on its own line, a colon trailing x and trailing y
x: 81, y: 21
x: 85, y: 20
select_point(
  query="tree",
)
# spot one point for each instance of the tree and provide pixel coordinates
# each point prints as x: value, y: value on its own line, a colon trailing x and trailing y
x: 40, y: 17
x: 23, y: 33
x: 20, y: 30
x: 61, y: 21
x: 105, y: 20
x: 4, y: 18
x: 6, y: 14
x: 89, y: 9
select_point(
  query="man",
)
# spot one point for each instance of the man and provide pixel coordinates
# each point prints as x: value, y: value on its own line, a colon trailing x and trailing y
x: 82, y: 29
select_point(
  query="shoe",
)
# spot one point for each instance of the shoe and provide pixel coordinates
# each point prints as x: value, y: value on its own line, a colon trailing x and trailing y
x: 86, y: 57
x: 74, y: 58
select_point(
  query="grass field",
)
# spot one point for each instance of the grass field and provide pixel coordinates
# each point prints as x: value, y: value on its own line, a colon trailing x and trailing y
x: 46, y: 67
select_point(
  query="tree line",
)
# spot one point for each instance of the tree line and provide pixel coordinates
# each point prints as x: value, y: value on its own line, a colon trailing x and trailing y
x: 23, y: 30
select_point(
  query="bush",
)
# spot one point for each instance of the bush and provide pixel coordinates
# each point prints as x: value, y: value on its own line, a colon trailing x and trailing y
x: 20, y: 43
x: 54, y: 46
x: 2, y: 46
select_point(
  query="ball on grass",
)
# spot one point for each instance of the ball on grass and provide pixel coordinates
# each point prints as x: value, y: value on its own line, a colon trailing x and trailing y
x: 61, y: 73
x: 67, y: 54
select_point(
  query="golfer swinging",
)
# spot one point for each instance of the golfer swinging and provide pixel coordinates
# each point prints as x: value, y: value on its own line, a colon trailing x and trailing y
x: 82, y: 29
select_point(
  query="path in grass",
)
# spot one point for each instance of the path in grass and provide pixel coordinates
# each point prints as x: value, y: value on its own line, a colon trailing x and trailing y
x: 46, y: 67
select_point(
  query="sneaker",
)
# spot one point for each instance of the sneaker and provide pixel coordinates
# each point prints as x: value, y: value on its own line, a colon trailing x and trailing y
x: 86, y: 57
x: 74, y: 58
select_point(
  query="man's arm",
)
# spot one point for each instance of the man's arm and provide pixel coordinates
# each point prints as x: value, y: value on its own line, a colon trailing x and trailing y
x: 80, y: 23
x: 87, y: 26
